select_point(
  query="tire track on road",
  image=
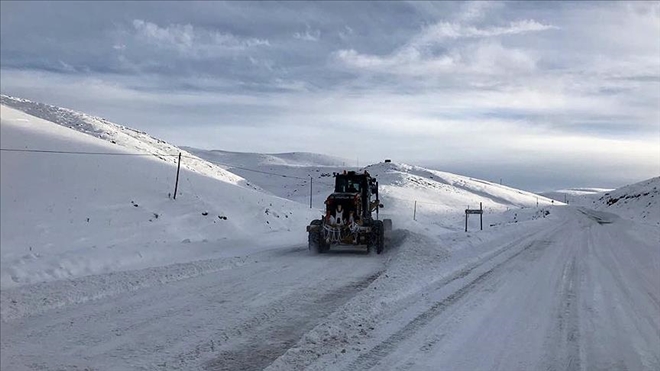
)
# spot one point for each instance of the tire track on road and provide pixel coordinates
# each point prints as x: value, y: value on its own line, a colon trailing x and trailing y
x: 564, y: 344
x: 372, y: 358
x: 268, y: 340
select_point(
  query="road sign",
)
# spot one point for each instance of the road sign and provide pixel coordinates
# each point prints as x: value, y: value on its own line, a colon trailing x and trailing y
x: 479, y: 211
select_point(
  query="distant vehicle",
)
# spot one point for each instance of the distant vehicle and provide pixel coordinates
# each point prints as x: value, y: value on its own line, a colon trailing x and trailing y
x: 348, y: 216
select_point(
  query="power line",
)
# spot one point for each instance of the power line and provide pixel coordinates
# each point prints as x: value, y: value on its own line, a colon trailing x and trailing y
x: 144, y: 154
x: 188, y: 157
x: 82, y: 152
x: 253, y: 170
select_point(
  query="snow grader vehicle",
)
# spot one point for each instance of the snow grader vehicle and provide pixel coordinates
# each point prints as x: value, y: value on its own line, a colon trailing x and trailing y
x: 348, y: 216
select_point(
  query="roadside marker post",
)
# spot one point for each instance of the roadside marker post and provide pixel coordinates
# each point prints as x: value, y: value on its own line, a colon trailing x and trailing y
x: 178, y: 168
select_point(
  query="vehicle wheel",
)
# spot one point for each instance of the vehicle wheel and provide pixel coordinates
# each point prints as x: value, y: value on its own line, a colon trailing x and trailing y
x: 315, y: 240
x: 377, y: 236
x: 380, y: 245
x: 373, y: 239
x: 323, y: 246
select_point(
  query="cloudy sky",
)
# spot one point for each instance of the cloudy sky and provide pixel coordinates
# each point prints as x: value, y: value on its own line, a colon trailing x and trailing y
x: 543, y: 95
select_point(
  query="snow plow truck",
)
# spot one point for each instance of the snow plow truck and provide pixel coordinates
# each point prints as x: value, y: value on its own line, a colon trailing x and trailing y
x: 348, y: 216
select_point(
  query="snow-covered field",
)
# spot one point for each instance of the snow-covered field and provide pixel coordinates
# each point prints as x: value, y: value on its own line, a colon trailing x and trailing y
x: 66, y: 215
x: 101, y: 269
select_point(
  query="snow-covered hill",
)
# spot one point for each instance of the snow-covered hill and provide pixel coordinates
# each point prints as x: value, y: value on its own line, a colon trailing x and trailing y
x: 437, y: 198
x: 286, y: 175
x: 639, y: 201
x: 253, y: 160
x: 414, y: 197
x: 66, y: 215
x: 122, y: 136
x: 75, y: 215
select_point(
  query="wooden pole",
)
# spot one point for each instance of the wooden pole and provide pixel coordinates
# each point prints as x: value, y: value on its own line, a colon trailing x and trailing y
x: 311, y: 188
x: 481, y: 217
x: 466, y: 214
x: 178, y: 168
x: 415, y: 211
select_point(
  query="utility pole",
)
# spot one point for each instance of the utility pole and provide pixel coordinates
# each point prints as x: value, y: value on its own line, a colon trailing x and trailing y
x: 178, y: 168
x: 311, y: 188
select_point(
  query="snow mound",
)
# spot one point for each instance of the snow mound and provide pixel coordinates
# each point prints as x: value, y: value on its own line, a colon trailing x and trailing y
x: 67, y: 215
x: 131, y: 139
x: 639, y: 201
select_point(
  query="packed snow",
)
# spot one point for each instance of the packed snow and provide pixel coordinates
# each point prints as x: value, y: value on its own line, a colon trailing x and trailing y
x: 102, y: 269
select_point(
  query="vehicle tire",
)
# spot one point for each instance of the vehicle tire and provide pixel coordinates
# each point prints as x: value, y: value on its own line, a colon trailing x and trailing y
x: 315, y: 238
x: 323, y: 246
x: 377, y: 239
x: 372, y: 244
x: 380, y: 245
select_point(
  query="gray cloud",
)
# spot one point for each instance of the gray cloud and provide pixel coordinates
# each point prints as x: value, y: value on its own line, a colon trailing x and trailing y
x: 517, y: 86
x: 308, y: 35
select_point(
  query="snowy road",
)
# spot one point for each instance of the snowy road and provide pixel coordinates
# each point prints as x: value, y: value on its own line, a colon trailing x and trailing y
x: 241, y: 317
x: 579, y: 295
x: 580, y: 291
